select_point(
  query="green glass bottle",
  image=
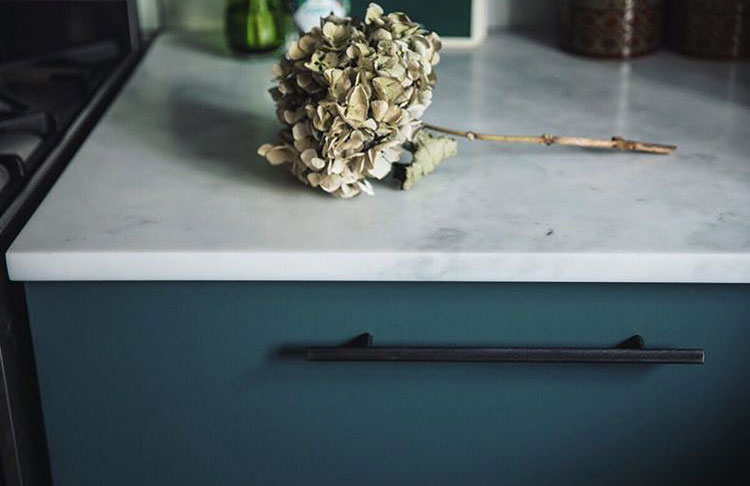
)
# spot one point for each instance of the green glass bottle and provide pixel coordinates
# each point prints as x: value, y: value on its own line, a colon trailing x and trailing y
x: 254, y: 25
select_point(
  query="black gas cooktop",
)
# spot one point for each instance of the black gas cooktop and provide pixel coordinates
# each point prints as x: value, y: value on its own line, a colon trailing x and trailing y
x: 39, y: 98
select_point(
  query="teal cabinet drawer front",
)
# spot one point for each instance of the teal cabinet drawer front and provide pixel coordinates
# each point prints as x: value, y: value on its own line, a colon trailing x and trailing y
x: 206, y: 383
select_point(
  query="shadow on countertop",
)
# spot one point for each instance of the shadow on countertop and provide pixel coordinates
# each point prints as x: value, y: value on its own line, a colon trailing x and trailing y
x: 225, y: 141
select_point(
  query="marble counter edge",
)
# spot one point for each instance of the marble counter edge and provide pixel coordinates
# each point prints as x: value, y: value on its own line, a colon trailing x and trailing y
x: 31, y: 266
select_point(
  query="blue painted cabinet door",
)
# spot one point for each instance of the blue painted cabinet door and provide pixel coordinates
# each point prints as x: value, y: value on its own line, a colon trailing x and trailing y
x: 205, y: 383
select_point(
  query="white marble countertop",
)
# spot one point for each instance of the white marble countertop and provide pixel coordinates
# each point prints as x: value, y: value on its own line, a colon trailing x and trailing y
x: 168, y: 186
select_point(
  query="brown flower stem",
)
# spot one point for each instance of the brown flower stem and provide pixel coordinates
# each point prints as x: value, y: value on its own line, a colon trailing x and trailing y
x: 615, y: 143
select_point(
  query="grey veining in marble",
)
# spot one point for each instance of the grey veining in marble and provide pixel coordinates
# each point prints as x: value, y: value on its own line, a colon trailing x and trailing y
x: 168, y: 185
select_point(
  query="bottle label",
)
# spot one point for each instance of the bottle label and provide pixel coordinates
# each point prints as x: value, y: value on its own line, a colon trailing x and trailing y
x: 309, y: 12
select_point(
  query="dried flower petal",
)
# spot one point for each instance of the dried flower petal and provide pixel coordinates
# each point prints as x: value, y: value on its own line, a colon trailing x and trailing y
x: 307, y: 43
x: 387, y: 88
x: 264, y: 149
x: 366, y: 187
x: 280, y: 154
x: 374, y: 11
x: 357, y: 104
x: 300, y: 130
x: 381, y: 167
x: 379, y: 109
x: 330, y: 182
x: 313, y: 178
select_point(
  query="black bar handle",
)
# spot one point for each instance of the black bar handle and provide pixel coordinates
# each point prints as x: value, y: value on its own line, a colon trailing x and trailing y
x: 632, y: 350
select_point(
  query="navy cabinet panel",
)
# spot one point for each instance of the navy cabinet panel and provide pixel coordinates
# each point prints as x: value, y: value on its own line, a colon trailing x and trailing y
x: 175, y: 383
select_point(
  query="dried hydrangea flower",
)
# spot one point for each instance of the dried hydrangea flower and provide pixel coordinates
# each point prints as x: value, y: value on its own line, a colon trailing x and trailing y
x: 349, y: 96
